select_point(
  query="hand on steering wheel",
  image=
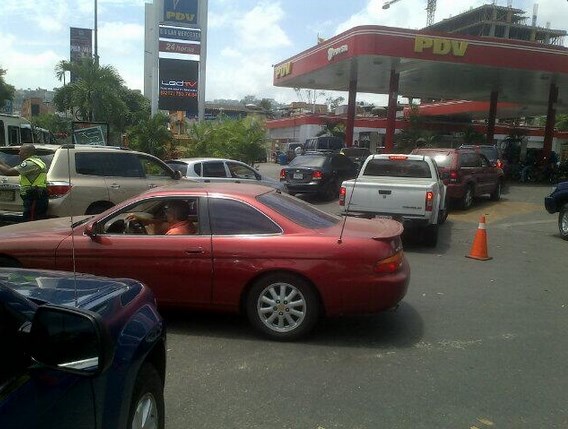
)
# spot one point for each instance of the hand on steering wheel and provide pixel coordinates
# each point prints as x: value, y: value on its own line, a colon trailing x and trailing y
x: 134, y: 226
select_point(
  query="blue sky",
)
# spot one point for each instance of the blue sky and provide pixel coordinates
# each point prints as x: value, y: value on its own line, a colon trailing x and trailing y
x: 245, y: 37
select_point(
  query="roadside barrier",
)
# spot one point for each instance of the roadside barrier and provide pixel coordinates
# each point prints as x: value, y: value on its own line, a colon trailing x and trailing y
x: 479, y: 247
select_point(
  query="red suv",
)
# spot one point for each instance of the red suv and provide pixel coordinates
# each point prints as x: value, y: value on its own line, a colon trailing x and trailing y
x: 467, y: 174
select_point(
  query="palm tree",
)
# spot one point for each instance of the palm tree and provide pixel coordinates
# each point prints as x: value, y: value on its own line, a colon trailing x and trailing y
x: 6, y: 91
x: 152, y: 136
x: 94, y: 93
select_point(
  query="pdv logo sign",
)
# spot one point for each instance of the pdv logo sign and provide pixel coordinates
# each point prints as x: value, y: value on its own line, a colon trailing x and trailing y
x: 180, y: 12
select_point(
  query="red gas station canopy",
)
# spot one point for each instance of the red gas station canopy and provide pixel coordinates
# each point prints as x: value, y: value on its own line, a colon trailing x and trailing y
x: 434, y: 66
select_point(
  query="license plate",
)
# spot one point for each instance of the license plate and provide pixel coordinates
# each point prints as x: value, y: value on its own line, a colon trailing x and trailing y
x: 298, y: 176
x: 7, y: 195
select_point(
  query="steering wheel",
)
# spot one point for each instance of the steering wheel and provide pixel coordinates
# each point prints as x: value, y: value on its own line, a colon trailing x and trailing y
x: 134, y: 227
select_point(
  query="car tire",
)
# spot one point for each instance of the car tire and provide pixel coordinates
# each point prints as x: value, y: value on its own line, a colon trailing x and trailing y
x: 430, y: 235
x: 496, y: 194
x: 467, y: 200
x: 282, y: 307
x: 563, y: 222
x: 147, y: 404
x: 442, y: 216
x: 332, y: 190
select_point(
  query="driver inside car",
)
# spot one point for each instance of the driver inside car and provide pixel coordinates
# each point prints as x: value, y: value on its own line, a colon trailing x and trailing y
x: 176, y: 221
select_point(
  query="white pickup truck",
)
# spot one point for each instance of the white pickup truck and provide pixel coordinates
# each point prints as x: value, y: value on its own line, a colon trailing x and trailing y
x: 406, y: 188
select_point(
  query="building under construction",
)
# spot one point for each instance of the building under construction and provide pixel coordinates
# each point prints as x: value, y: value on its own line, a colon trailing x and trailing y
x: 491, y: 20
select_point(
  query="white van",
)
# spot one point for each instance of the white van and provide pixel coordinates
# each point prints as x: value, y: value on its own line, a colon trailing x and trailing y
x: 15, y: 130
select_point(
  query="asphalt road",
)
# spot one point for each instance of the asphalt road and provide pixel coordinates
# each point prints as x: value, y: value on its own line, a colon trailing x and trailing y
x: 475, y: 344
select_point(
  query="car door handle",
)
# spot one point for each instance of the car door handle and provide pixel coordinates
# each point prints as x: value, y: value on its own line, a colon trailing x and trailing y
x: 115, y: 186
x: 195, y: 251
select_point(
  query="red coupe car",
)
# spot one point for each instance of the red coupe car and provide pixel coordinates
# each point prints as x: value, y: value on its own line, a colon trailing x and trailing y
x: 249, y: 249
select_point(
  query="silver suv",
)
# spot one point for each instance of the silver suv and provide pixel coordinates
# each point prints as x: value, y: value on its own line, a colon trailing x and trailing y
x: 85, y: 179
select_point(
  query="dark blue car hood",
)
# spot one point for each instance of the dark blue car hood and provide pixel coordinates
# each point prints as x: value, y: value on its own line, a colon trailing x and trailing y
x: 64, y: 288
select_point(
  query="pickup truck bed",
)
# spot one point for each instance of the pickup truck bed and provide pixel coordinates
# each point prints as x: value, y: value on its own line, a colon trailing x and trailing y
x: 406, y: 188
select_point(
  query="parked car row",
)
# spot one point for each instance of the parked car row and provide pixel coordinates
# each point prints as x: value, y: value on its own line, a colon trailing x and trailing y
x: 467, y: 174
x: 217, y: 170
x: 85, y: 179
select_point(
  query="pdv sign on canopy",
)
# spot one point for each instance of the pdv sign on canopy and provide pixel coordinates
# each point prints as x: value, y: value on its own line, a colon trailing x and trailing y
x: 180, y: 12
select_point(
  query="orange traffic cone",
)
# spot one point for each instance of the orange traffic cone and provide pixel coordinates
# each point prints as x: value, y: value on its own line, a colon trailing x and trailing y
x: 479, y: 247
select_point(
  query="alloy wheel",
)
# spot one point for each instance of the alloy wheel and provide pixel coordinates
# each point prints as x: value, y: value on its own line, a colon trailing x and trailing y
x: 281, y: 307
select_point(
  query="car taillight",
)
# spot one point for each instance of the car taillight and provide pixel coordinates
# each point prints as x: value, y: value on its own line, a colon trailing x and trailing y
x: 58, y: 190
x: 342, y: 193
x: 282, y: 174
x: 317, y: 175
x: 398, y: 157
x: 429, y: 201
x: 389, y: 265
x: 454, y: 176
x: 499, y: 164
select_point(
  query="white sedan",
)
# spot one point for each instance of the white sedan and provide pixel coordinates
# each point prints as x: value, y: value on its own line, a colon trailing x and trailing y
x: 221, y: 170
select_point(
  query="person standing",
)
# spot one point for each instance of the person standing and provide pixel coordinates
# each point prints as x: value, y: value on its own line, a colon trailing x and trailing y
x: 33, y: 182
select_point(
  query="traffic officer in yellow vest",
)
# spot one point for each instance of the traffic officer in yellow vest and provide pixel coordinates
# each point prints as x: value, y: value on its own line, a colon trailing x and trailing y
x: 33, y: 182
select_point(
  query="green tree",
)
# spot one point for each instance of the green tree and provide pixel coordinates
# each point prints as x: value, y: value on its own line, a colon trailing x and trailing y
x: 94, y: 94
x: 405, y: 141
x: 152, y: 136
x: 58, y: 125
x: 562, y: 122
x: 6, y: 91
x: 334, y: 102
x: 240, y: 139
x: 471, y: 136
x: 332, y: 128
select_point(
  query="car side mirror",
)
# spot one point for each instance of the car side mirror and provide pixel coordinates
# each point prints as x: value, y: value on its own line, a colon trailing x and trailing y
x: 70, y: 340
x: 91, y: 230
x: 177, y: 175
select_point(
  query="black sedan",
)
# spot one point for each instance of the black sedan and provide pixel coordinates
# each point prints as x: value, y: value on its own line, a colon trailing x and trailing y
x: 318, y: 173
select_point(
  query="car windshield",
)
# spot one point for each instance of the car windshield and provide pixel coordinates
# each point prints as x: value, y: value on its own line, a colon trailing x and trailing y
x: 489, y: 151
x: 355, y: 151
x: 11, y: 156
x: 298, y: 211
x: 317, y: 161
x: 398, y: 168
x: 442, y: 159
x: 178, y: 166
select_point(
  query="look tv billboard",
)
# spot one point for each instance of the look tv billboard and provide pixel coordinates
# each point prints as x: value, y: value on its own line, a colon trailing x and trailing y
x: 178, y: 85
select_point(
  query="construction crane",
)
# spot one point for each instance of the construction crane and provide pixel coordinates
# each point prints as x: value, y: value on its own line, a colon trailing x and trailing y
x: 430, y: 9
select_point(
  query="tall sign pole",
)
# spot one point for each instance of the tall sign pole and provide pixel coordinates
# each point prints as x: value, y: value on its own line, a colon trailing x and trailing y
x: 202, y: 11
x: 158, y: 10
x: 96, y: 37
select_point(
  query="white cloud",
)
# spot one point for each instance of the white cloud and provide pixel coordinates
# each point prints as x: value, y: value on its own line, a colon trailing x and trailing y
x: 259, y: 28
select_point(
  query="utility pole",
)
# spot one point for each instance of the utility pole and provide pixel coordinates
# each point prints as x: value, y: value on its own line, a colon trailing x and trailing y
x: 96, y: 38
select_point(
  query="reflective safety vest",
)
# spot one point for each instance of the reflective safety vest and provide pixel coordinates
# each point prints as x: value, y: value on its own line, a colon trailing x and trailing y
x: 29, y: 180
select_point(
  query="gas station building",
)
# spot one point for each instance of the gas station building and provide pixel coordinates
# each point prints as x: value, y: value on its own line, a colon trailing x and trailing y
x: 486, y: 78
